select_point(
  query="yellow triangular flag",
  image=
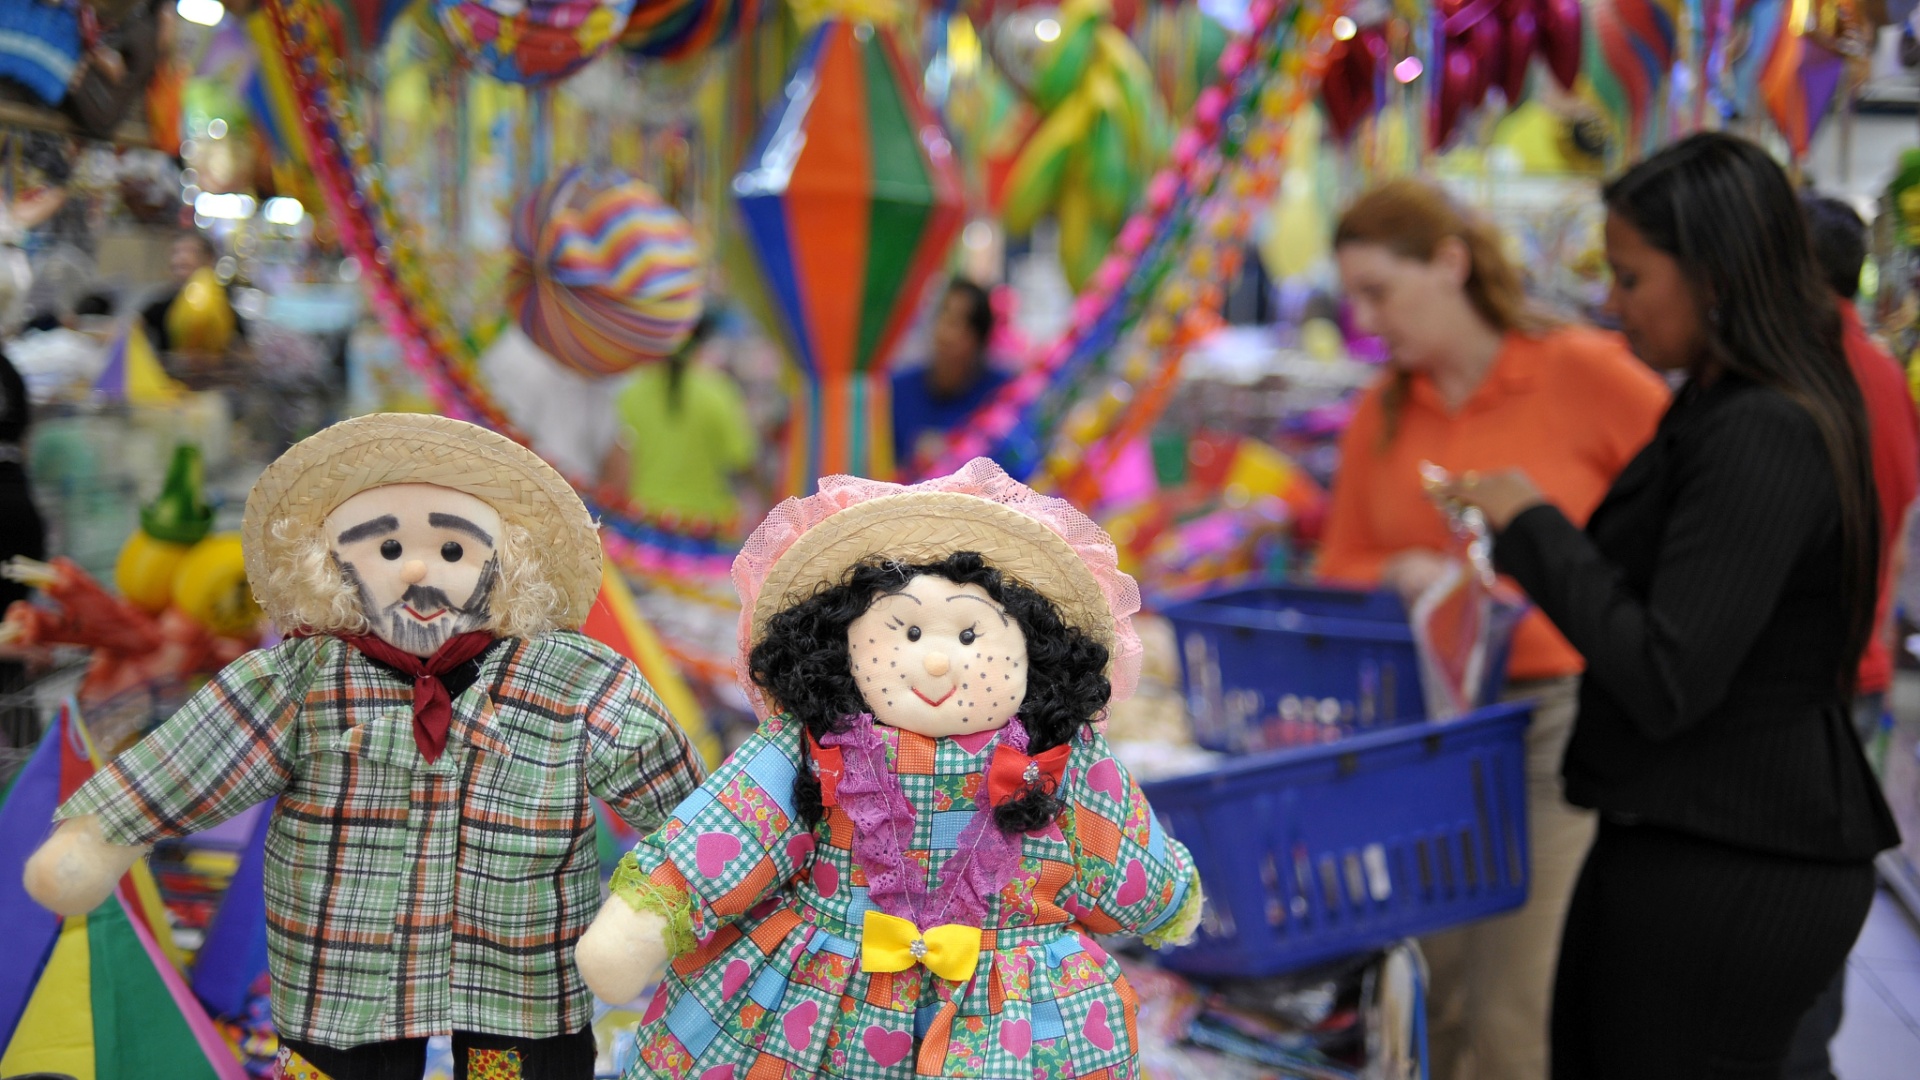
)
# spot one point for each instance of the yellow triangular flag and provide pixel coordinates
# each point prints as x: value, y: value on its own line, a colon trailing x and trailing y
x: 56, y: 1030
x: 147, y: 382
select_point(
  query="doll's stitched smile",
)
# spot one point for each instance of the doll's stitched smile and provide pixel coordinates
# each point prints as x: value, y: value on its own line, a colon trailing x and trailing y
x: 935, y: 703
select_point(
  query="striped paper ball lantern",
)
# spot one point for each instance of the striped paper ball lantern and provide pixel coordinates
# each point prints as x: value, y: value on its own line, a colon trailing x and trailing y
x: 608, y: 276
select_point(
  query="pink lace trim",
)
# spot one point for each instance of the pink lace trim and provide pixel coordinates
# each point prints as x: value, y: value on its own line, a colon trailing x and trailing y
x: 787, y: 522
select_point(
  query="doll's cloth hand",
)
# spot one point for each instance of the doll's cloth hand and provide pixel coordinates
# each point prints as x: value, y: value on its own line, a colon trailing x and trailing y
x: 77, y: 869
x: 623, y: 952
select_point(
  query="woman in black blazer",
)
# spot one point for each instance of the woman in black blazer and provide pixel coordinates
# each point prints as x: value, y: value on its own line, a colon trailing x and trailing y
x: 1722, y: 595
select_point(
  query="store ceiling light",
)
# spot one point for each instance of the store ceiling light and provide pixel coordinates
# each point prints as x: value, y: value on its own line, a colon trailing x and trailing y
x: 204, y: 12
x: 1344, y: 29
x: 284, y: 211
x: 217, y: 128
x: 229, y: 206
x: 1047, y: 30
x: 1409, y: 69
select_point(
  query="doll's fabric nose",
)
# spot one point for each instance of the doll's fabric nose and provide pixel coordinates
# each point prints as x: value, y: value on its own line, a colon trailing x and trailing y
x: 414, y: 572
x: 937, y: 664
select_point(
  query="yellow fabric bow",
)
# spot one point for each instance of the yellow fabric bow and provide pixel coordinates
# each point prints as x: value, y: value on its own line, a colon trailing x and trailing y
x: 890, y: 943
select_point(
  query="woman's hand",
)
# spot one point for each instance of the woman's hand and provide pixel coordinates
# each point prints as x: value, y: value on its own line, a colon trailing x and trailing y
x: 1412, y: 572
x: 1501, y: 496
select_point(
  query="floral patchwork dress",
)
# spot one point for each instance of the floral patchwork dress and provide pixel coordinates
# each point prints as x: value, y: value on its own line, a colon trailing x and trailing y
x: 768, y: 981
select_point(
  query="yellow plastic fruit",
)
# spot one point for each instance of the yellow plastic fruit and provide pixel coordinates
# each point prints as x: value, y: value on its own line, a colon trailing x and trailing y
x: 144, y: 572
x: 200, y: 319
x: 210, y: 587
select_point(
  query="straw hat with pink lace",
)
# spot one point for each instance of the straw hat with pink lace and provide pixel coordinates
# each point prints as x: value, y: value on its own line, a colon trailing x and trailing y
x: 807, y: 545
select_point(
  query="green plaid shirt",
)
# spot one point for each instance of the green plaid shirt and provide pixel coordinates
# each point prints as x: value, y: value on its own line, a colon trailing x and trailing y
x: 406, y: 898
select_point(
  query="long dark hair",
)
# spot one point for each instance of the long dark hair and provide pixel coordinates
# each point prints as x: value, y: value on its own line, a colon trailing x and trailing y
x: 1726, y: 212
x: 803, y: 664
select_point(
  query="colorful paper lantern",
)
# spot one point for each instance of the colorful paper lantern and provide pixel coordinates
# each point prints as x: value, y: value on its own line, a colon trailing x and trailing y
x: 851, y: 199
x: 608, y: 276
x: 532, y: 41
x: 677, y: 29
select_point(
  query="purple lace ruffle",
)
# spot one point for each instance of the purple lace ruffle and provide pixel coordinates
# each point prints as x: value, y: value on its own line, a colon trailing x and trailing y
x: 883, y: 820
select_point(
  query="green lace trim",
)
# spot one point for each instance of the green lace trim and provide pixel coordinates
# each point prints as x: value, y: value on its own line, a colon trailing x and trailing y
x: 1180, y: 929
x: 641, y: 893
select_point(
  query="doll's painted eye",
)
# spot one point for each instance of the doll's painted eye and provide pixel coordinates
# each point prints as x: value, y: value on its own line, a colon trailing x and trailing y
x: 390, y: 550
x: 967, y: 636
x: 913, y: 633
x: 451, y: 551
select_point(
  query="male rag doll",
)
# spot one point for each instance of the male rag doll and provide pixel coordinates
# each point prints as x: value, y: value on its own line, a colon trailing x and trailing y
x: 902, y: 871
x: 433, y: 732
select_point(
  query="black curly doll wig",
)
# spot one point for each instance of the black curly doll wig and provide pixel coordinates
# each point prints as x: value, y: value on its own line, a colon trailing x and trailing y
x: 803, y: 665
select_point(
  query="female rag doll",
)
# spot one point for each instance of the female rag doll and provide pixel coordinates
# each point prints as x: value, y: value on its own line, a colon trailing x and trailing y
x: 902, y: 871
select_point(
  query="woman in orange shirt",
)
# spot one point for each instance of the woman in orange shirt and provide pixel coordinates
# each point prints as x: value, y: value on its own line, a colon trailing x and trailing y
x: 1478, y: 381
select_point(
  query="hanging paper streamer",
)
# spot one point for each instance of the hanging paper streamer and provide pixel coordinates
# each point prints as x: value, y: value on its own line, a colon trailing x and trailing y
x: 1763, y: 21
x: 406, y: 296
x: 1101, y: 134
x: 1265, y: 78
x: 364, y: 23
x: 608, y: 275
x: 851, y: 200
x: 1638, y: 39
x: 1802, y: 76
x: 678, y: 29
x: 534, y: 42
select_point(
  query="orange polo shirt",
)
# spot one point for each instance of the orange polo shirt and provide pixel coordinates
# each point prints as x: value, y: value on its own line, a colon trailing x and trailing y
x: 1571, y: 406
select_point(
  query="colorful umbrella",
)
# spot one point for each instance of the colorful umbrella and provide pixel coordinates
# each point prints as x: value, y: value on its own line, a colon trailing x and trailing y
x: 851, y: 199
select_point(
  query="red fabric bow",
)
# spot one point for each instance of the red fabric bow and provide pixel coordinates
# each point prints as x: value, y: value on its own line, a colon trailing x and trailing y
x: 432, y: 705
x: 828, y: 763
x: 1008, y: 777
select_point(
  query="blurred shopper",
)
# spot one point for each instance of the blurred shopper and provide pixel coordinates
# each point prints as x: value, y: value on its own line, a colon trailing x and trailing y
x: 931, y: 399
x: 21, y: 533
x: 192, y: 251
x: 1723, y: 595
x: 1479, y: 381
x: 685, y: 435
x: 1893, y: 432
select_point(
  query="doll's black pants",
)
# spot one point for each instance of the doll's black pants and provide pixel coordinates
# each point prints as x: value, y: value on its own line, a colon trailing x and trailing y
x: 563, y: 1057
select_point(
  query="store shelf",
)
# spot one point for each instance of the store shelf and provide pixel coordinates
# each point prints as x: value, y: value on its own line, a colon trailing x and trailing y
x: 18, y: 114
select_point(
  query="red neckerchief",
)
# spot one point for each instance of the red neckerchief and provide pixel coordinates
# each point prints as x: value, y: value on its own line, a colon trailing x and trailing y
x: 432, y: 705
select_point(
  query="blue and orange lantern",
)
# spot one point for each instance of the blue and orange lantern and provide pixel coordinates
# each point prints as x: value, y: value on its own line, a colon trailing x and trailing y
x: 851, y: 200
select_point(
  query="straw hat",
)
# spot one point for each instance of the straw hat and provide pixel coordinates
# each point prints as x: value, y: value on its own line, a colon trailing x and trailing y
x: 924, y: 527
x: 319, y: 473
